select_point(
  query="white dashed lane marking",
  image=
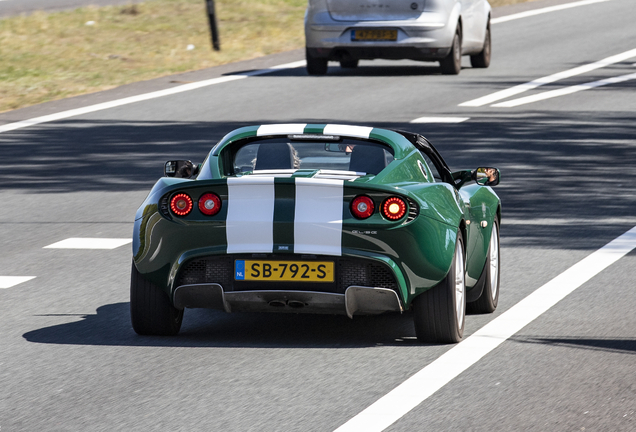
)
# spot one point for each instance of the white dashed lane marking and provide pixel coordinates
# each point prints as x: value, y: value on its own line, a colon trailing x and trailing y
x: 513, y: 91
x: 89, y: 243
x: 544, y: 10
x: 564, y: 91
x: 440, y: 120
x: 394, y: 405
x: 11, y: 281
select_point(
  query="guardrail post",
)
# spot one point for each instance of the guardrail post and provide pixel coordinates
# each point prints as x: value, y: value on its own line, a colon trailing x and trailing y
x: 214, y: 31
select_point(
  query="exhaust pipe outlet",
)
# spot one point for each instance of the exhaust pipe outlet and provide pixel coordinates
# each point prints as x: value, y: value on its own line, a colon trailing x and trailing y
x: 277, y: 303
x: 295, y: 304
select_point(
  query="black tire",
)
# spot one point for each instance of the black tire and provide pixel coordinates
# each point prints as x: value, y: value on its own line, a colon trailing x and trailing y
x: 489, y: 298
x: 151, y: 312
x: 452, y: 63
x: 438, y: 314
x: 482, y: 60
x: 349, y: 64
x: 315, y: 65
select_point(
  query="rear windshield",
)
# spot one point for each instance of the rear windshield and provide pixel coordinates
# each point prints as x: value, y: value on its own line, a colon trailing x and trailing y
x: 362, y: 157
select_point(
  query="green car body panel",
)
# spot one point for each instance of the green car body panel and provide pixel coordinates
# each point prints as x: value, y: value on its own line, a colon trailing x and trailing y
x: 418, y: 249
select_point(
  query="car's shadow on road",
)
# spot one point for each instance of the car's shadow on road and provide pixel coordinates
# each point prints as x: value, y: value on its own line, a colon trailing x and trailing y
x: 364, y: 70
x: 204, y: 328
x: 210, y: 328
x: 567, y: 178
x: 614, y: 345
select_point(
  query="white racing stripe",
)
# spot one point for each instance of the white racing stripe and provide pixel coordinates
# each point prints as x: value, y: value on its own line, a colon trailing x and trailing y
x: 346, y: 130
x: 513, y: 91
x: 436, y: 375
x: 281, y: 129
x: 143, y: 97
x: 250, y: 215
x: 89, y: 243
x: 318, y: 216
x: 564, y: 91
x: 11, y: 281
x: 534, y: 12
x: 440, y: 120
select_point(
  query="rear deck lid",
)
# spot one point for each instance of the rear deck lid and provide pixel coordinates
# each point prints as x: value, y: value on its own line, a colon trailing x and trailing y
x: 375, y: 10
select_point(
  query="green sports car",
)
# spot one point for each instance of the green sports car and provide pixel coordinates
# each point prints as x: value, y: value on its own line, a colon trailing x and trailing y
x: 315, y: 218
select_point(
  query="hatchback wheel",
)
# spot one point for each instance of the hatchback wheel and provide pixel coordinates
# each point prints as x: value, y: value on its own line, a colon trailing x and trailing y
x: 482, y: 60
x: 452, y: 63
x: 315, y: 65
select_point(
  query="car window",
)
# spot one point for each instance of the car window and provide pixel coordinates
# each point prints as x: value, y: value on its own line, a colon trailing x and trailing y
x: 280, y: 154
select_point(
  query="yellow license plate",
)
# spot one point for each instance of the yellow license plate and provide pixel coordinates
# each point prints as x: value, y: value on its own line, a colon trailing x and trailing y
x: 283, y: 271
x: 373, y: 35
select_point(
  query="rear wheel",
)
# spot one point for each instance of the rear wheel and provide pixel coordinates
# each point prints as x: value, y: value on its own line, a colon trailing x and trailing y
x: 151, y: 312
x: 452, y: 63
x: 487, y: 302
x: 349, y: 64
x: 440, y: 312
x: 482, y: 60
x: 315, y: 65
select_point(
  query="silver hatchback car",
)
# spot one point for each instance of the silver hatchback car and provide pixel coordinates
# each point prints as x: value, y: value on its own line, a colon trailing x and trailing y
x: 428, y: 30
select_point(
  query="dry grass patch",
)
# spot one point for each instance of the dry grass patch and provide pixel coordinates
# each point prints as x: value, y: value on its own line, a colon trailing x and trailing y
x: 48, y: 56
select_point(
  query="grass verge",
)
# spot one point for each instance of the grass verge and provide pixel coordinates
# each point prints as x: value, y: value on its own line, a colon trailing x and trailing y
x: 49, y: 56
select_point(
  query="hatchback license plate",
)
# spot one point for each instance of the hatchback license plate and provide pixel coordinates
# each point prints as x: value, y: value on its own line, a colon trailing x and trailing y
x: 284, y: 271
x: 374, y: 35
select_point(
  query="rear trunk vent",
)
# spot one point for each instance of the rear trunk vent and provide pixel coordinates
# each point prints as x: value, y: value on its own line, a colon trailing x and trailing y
x: 164, y: 207
x: 414, y: 210
x: 365, y: 273
x: 211, y: 270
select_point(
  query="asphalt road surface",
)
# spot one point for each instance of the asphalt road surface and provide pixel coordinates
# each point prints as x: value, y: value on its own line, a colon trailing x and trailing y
x: 17, y: 7
x: 69, y: 359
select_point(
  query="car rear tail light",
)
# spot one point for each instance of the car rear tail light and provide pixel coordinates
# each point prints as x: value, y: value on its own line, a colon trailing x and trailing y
x: 210, y: 204
x: 394, y: 208
x: 362, y: 207
x: 181, y: 204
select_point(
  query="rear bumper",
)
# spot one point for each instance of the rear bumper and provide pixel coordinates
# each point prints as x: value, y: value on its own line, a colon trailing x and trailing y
x: 356, y: 300
x: 339, y: 53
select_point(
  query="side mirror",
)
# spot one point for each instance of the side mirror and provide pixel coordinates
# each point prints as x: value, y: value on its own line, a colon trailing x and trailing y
x: 178, y: 169
x: 486, y: 176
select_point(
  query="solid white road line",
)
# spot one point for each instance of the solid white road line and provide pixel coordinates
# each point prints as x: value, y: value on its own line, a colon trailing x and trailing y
x: 543, y: 10
x: 143, y: 97
x: 10, y: 281
x: 440, y: 120
x: 427, y: 381
x: 89, y: 243
x: 564, y: 91
x: 494, y: 97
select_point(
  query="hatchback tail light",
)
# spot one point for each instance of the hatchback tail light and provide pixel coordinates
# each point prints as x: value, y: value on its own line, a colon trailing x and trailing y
x: 394, y: 208
x: 362, y: 207
x: 181, y: 204
x: 210, y: 204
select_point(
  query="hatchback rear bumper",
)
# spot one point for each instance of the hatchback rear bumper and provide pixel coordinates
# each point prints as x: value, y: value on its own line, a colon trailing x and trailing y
x: 347, y: 52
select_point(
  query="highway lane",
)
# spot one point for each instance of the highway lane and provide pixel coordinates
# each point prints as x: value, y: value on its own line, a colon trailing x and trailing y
x: 71, y: 361
x: 17, y: 7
